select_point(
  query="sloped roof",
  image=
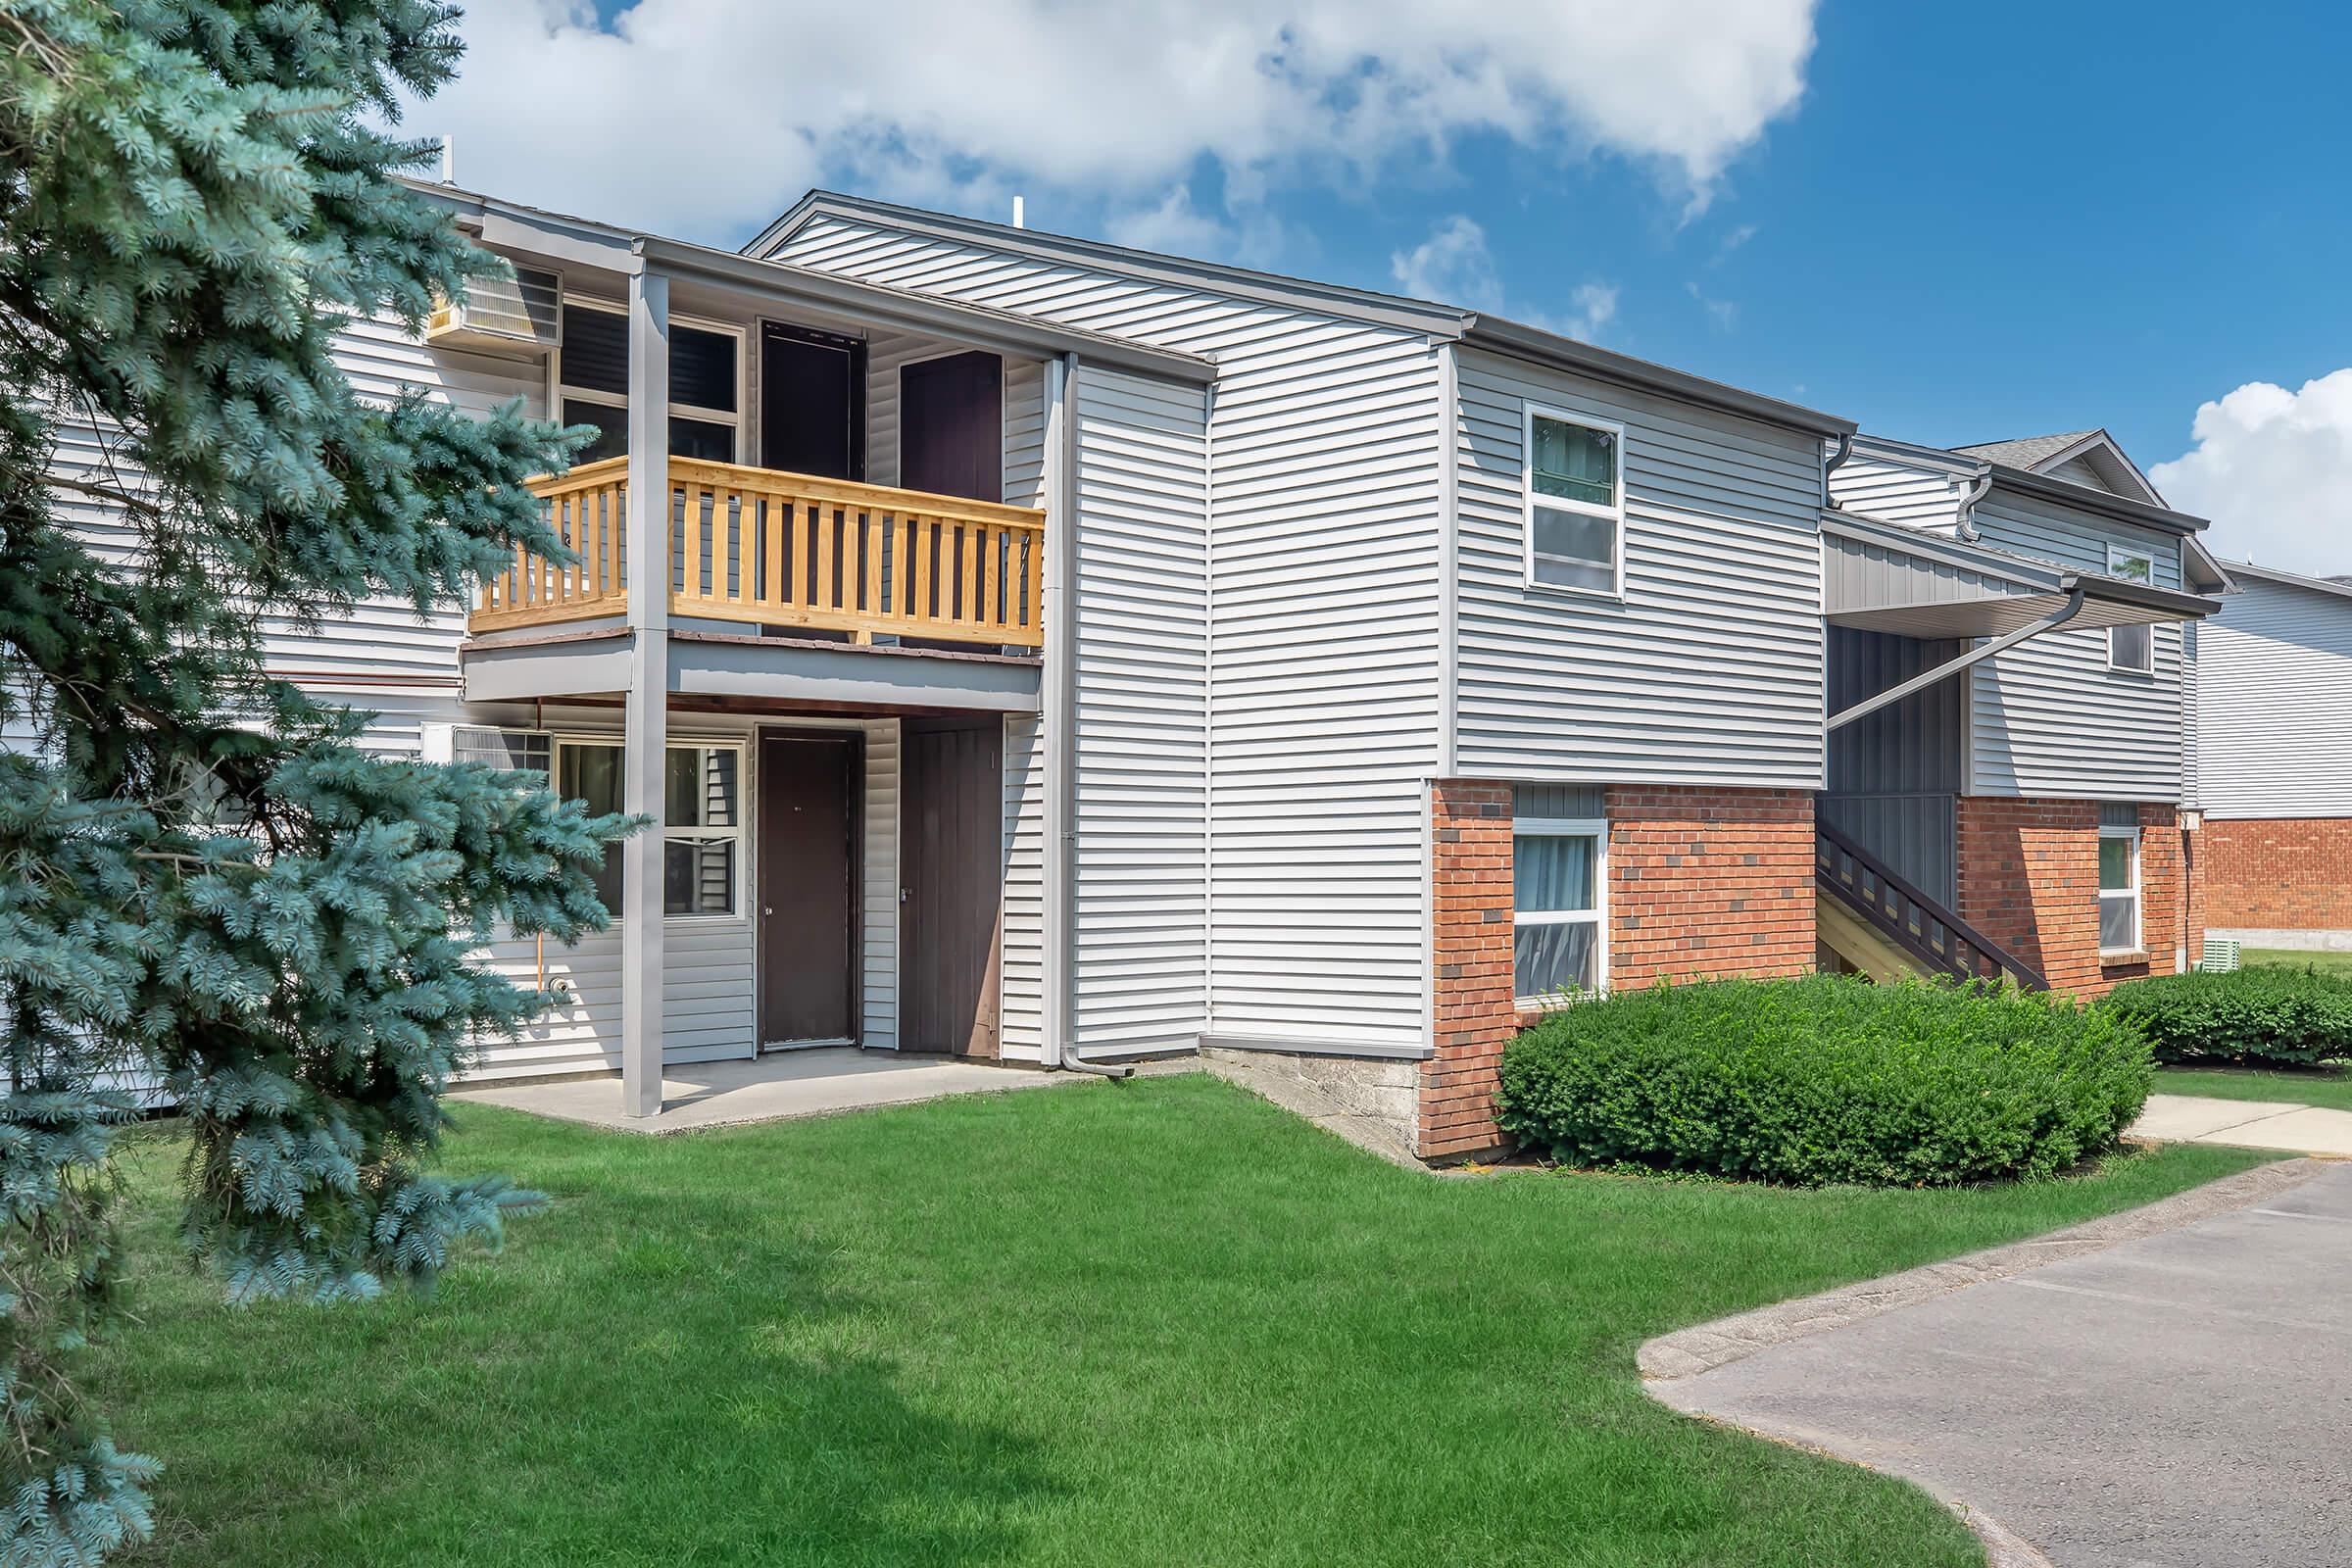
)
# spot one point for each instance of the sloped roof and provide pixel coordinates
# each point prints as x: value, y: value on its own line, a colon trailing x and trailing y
x: 2026, y: 452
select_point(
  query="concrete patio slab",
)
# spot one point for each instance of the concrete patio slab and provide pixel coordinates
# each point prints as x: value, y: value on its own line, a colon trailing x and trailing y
x: 2246, y: 1124
x: 776, y: 1087
x: 2174, y: 1400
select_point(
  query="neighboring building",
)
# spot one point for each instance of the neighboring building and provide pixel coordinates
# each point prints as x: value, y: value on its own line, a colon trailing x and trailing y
x: 2049, y: 796
x: 2274, y: 731
x: 1066, y: 655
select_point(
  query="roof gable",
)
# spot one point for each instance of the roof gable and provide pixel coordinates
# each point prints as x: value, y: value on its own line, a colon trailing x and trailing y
x: 2092, y: 459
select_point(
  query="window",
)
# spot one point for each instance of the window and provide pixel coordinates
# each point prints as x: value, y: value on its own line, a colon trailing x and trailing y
x: 1575, y: 503
x: 592, y: 384
x: 2132, y: 647
x: 2119, y: 879
x: 702, y: 825
x: 1559, y: 932
x: 702, y: 820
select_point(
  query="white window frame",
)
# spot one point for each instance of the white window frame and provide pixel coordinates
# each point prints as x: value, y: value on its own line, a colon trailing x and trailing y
x: 559, y: 393
x: 1530, y: 500
x: 2134, y: 892
x: 1567, y: 827
x: 2117, y: 556
x: 739, y: 833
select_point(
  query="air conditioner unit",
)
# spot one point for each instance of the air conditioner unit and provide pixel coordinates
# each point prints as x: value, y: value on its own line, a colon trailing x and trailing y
x: 507, y: 314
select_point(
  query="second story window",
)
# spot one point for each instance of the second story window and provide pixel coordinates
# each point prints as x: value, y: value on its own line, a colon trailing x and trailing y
x: 1575, y: 503
x: 2132, y: 647
x: 592, y: 374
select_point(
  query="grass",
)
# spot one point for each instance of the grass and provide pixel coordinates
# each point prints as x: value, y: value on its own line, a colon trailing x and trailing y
x: 1158, y: 1322
x: 2331, y: 1087
x: 2324, y: 963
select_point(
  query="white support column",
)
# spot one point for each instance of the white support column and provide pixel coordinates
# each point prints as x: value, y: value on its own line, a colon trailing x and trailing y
x: 646, y: 712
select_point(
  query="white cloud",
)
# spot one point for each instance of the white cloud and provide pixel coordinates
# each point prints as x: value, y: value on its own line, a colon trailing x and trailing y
x: 1725, y: 313
x: 706, y: 115
x: 2272, y: 468
x: 1454, y: 265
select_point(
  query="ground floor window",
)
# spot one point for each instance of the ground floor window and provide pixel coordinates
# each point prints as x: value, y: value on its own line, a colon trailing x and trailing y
x: 701, y: 816
x: 1559, y: 877
x: 2119, y: 879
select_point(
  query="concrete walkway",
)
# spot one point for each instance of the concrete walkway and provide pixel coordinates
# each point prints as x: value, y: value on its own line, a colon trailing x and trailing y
x: 2165, y: 1389
x: 780, y: 1085
x: 2245, y: 1124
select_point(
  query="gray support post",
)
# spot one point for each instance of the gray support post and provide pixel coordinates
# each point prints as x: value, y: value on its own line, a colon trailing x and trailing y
x: 645, y: 711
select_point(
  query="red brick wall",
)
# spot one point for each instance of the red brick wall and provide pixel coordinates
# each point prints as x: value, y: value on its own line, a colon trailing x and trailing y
x: 2278, y: 873
x: 1470, y: 942
x: 2030, y: 881
x: 1709, y: 882
x: 1702, y: 882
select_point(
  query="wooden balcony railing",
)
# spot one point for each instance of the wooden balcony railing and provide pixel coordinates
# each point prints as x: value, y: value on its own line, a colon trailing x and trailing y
x: 772, y: 549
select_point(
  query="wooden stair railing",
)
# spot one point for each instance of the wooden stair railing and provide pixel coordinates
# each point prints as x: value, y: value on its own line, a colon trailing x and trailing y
x: 1938, y: 939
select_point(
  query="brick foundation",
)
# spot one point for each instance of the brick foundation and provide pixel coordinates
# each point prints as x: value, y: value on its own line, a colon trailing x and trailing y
x: 2278, y: 873
x: 1702, y: 882
x: 2030, y: 880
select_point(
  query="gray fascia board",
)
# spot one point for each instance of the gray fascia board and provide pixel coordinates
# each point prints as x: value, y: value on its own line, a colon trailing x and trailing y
x: 1534, y: 344
x: 1333, y: 299
x: 2024, y: 481
x: 2290, y: 580
x: 929, y: 313
x: 2143, y: 596
x: 721, y: 666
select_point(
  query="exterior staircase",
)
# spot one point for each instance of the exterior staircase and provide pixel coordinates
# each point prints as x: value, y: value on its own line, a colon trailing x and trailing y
x: 1881, y: 926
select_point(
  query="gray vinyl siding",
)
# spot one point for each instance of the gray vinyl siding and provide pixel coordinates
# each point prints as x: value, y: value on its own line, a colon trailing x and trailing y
x: 1321, y: 639
x: 2191, y: 719
x: 2048, y: 718
x: 2275, y: 683
x: 1709, y: 672
x: 1140, y: 965
x: 1897, y: 491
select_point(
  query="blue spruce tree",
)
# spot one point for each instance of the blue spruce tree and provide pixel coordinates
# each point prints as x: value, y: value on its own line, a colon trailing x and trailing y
x: 202, y: 878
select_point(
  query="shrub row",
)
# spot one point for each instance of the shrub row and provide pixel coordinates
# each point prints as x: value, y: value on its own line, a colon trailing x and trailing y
x: 2260, y: 1015
x: 1826, y: 1078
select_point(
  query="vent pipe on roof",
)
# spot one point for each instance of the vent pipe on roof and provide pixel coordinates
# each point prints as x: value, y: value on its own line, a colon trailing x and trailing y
x: 449, y: 160
x: 1019, y: 218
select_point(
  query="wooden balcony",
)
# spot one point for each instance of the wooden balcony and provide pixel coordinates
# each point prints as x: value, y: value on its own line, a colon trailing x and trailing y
x: 771, y: 549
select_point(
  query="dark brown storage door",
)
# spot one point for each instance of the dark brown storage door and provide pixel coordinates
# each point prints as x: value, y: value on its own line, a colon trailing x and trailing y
x: 952, y: 821
x: 811, y: 403
x: 952, y: 426
x: 808, y: 889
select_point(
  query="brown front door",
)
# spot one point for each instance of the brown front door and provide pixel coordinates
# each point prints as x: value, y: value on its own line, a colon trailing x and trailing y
x: 807, y: 888
x: 952, y: 822
x: 952, y: 426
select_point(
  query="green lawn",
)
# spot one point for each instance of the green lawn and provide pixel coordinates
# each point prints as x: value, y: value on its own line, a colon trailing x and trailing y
x: 1158, y: 1322
x: 2314, y: 1086
x: 2324, y: 963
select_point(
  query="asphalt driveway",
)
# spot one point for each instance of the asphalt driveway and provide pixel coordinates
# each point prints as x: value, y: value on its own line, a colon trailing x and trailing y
x: 2177, y: 1400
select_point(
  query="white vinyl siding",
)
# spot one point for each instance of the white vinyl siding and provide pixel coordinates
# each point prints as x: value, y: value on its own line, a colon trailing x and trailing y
x: 1710, y: 669
x: 2275, y: 682
x: 2051, y: 718
x: 1321, y: 638
x: 1021, y: 1032
x: 1139, y: 969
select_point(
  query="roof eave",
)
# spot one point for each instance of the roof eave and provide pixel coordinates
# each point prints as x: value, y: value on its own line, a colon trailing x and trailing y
x: 1521, y: 341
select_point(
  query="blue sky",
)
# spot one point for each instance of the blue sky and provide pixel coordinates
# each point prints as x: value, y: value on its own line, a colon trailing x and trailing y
x: 1950, y: 223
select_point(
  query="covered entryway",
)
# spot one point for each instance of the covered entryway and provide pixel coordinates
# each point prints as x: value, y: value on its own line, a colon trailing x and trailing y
x: 809, y: 862
x: 952, y: 885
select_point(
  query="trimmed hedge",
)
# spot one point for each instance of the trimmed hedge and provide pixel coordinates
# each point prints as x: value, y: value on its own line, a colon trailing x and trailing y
x: 2262, y: 1013
x: 1826, y: 1078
